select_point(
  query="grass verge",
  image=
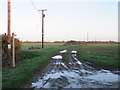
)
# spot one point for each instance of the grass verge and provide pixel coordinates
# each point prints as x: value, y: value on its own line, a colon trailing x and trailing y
x: 31, y: 63
x: 98, y: 59
x: 65, y: 57
x: 102, y: 54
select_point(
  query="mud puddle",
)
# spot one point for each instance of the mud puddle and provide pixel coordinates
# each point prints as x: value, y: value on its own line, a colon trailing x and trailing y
x: 75, y: 74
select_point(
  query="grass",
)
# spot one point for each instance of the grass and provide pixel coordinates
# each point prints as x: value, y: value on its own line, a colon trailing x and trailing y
x: 33, y: 61
x: 26, y: 46
x: 97, y: 58
x: 65, y: 57
x: 104, y: 54
x: 0, y: 78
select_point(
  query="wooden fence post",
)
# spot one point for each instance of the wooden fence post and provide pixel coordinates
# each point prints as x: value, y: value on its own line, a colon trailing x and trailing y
x: 13, y: 49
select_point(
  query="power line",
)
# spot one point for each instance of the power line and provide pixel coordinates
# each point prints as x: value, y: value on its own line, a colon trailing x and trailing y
x: 34, y: 5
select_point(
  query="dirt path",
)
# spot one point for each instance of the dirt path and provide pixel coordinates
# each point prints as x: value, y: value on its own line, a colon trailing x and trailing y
x: 74, y: 74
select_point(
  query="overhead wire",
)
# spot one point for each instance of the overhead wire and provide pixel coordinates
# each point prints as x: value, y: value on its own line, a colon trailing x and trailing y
x: 33, y: 5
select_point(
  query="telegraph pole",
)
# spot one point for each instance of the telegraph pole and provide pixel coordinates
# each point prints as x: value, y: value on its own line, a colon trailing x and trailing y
x: 43, y: 15
x: 9, y: 33
x: 87, y: 36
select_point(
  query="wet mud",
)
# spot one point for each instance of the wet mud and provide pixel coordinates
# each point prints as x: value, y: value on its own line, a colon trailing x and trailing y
x: 75, y: 74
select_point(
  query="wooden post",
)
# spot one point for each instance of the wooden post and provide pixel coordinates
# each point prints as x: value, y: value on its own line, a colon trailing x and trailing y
x: 13, y: 49
x: 9, y: 34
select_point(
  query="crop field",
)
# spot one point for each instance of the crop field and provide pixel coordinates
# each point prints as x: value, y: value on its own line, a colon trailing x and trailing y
x: 34, y: 61
x: 26, y: 46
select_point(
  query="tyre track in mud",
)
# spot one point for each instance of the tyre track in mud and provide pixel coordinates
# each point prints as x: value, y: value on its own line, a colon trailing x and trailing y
x: 73, y: 74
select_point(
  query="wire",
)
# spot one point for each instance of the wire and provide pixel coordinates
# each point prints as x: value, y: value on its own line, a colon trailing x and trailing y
x: 34, y: 5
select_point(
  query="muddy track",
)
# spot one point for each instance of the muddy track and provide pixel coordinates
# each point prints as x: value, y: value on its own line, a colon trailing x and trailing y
x: 74, y: 74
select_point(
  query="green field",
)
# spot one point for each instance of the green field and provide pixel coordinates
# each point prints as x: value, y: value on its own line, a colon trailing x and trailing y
x: 26, y: 46
x: 34, y: 61
x: 104, y: 54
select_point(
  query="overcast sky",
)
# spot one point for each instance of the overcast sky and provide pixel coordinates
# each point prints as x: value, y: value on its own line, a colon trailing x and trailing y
x: 64, y: 20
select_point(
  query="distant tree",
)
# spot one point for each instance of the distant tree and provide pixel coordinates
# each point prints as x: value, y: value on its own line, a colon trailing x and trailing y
x: 72, y: 42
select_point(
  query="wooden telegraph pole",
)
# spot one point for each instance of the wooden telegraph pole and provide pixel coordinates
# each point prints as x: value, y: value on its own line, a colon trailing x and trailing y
x: 43, y: 15
x: 9, y: 33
